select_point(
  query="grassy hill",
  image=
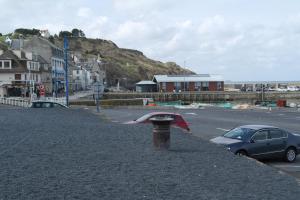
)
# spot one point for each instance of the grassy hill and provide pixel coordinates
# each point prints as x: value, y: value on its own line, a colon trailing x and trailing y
x: 125, y: 64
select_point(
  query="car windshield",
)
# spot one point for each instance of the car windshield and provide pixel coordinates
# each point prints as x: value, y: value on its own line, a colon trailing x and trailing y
x: 143, y: 118
x: 239, y: 133
x: 150, y: 115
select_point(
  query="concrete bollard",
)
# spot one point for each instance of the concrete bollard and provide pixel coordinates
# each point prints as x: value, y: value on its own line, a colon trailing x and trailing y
x: 161, y: 132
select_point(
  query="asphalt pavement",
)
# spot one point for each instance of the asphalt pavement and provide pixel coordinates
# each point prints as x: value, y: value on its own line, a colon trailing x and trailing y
x: 211, y: 122
x: 75, y: 154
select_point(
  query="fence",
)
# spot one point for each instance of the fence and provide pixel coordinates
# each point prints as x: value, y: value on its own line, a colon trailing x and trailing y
x: 204, y: 96
x: 15, y: 102
x: 21, y: 102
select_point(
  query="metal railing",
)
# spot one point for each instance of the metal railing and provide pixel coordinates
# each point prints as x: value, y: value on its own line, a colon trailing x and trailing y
x: 56, y: 100
x: 15, y: 101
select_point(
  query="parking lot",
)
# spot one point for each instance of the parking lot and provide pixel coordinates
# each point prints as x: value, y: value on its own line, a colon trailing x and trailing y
x: 210, y: 122
x: 61, y: 153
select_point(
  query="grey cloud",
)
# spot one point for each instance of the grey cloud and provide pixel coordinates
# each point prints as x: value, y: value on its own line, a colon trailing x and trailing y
x: 210, y: 44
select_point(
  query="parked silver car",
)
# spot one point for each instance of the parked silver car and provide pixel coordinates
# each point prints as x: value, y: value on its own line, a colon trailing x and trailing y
x: 261, y: 141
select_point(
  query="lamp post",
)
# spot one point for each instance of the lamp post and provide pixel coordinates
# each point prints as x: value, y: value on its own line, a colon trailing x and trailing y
x: 66, y: 69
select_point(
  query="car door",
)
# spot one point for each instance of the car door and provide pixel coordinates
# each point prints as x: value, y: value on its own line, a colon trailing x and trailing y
x: 259, y: 144
x: 278, y: 140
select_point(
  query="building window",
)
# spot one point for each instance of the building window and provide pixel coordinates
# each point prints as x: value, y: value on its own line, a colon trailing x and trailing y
x: 0, y: 64
x: 219, y: 86
x: 25, y: 76
x: 17, y: 76
x: 198, y: 86
x: 205, y: 86
x: 164, y: 86
x: 186, y: 86
x: 177, y: 86
x: 6, y: 64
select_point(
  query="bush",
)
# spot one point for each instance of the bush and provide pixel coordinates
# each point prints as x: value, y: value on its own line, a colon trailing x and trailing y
x: 25, y: 31
x: 62, y: 34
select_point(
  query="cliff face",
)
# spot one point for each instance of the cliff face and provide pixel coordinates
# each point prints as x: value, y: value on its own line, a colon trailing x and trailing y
x: 127, y: 65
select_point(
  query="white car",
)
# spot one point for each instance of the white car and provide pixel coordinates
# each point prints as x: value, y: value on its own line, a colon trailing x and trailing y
x: 281, y: 90
x: 292, y: 88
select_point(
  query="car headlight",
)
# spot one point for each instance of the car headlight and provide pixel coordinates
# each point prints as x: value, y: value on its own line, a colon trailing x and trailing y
x: 228, y: 148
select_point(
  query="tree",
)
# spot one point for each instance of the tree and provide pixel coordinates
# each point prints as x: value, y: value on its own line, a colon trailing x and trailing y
x: 0, y: 34
x: 62, y: 34
x: 81, y: 33
x: 77, y: 33
x: 26, y: 32
x: 51, y: 39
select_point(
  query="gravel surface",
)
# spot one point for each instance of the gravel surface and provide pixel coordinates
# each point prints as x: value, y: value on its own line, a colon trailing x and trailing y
x: 73, y: 154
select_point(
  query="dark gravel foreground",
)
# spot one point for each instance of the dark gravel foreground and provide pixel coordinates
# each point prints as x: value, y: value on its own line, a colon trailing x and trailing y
x: 73, y: 154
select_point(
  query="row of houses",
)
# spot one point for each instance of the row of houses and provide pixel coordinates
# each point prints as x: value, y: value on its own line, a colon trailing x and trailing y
x: 182, y: 83
x: 28, y: 64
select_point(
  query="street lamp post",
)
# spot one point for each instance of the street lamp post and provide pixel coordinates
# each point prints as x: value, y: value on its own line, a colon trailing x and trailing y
x: 66, y: 69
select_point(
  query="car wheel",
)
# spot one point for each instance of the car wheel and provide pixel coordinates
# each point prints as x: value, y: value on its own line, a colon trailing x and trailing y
x: 241, y: 153
x: 290, y: 155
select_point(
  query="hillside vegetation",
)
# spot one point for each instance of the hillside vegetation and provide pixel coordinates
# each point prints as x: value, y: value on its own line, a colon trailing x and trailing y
x: 123, y: 64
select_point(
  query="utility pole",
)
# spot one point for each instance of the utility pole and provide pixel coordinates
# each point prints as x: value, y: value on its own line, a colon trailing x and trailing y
x: 262, y: 92
x: 184, y: 85
x: 66, y: 69
x: 31, y: 84
x: 55, y: 80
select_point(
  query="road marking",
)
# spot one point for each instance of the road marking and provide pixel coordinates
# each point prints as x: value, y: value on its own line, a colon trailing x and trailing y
x: 296, y: 166
x: 222, y: 129
x: 281, y: 114
x: 190, y: 113
x: 115, y: 121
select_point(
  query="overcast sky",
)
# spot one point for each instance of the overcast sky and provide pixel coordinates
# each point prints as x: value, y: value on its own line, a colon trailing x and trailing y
x: 239, y: 39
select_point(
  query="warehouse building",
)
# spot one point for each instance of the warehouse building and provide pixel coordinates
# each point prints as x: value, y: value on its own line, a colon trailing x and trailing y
x: 191, y: 83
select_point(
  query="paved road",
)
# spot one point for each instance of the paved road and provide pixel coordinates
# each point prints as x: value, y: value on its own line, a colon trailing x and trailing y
x: 211, y: 122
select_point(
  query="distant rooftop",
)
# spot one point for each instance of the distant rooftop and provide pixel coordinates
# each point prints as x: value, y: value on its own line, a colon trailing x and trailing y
x: 146, y: 83
x: 260, y: 82
x: 187, y: 78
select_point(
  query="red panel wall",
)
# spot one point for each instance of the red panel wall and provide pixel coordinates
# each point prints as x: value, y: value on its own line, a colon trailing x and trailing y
x: 213, y: 86
x: 170, y: 87
x: 191, y: 86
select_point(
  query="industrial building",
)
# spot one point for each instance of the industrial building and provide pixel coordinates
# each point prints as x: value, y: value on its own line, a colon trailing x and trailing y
x: 191, y: 83
x: 182, y: 83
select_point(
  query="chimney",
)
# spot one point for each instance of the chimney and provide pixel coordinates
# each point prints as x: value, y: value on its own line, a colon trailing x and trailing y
x: 29, y: 55
x: 21, y: 43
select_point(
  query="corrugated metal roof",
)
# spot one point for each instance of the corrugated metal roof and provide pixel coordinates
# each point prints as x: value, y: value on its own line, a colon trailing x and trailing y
x: 146, y: 83
x: 188, y: 78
